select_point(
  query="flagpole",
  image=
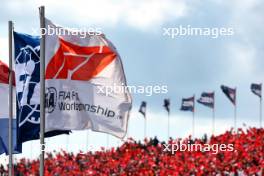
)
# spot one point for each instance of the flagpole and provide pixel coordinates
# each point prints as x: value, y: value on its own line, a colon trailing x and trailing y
x: 67, y: 143
x: 107, y: 141
x: 42, y: 90
x: 168, y: 125
x: 235, y: 118
x: 213, y: 115
x: 193, y: 128
x: 145, y: 127
x: 235, y: 111
x: 87, y: 140
x: 213, y: 123
x: 193, y: 124
x: 127, y: 131
x: 260, y: 112
x: 10, y: 126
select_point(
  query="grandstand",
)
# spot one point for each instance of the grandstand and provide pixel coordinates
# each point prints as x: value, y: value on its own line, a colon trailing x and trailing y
x: 149, y: 158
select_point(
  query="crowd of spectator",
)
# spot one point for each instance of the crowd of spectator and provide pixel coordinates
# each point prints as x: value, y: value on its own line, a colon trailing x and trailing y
x: 149, y: 158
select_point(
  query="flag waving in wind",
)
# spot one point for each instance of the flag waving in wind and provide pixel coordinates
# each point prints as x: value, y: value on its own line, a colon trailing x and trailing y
x: 167, y: 105
x: 187, y: 104
x: 142, y: 108
x: 207, y: 99
x: 78, y: 72
x: 27, y: 73
x: 256, y: 89
x: 4, y: 113
x: 230, y: 93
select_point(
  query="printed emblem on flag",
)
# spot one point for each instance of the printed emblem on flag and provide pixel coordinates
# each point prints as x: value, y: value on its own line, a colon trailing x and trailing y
x: 27, y: 67
x: 75, y: 62
x: 76, y: 69
x: 27, y: 73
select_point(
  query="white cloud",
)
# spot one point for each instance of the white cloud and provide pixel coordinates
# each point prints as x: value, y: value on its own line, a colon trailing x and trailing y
x: 138, y: 14
x: 142, y: 15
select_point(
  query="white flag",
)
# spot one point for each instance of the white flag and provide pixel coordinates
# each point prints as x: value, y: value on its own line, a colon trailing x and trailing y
x: 85, y: 83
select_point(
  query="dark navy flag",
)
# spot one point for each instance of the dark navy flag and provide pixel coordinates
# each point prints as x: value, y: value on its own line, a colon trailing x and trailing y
x: 207, y: 99
x: 256, y: 89
x: 27, y: 72
x: 230, y: 93
x: 167, y: 105
x: 187, y: 104
x: 142, y: 108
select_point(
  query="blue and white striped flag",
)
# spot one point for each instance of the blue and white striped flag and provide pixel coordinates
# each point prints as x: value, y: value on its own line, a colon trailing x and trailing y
x: 187, y: 104
x: 207, y: 99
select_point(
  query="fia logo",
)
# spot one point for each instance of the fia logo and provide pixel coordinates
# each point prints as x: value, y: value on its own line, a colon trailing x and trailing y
x: 50, y: 99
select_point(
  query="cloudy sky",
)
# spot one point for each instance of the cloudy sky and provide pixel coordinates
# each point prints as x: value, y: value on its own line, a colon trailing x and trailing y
x: 186, y: 64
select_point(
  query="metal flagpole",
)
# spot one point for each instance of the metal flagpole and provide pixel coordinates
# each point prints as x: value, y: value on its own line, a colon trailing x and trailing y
x: 260, y: 112
x: 213, y: 115
x: 235, y: 111
x: 127, y: 135
x: 145, y: 127
x: 42, y: 90
x: 213, y: 128
x: 107, y: 140
x: 235, y: 123
x: 87, y: 140
x: 10, y: 125
x: 67, y: 143
x: 168, y: 125
x: 193, y: 123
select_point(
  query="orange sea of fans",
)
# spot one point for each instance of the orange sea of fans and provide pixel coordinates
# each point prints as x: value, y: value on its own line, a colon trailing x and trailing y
x: 149, y: 158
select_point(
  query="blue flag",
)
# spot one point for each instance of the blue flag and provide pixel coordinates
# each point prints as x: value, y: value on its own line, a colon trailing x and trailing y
x: 187, y: 104
x: 143, y: 108
x: 207, y: 99
x: 256, y: 89
x: 27, y: 71
x: 167, y: 105
x: 230, y: 93
x: 4, y: 137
